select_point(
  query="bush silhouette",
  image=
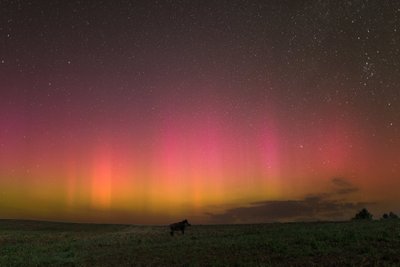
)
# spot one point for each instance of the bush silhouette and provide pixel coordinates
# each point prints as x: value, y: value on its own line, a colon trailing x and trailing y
x: 363, y: 215
x: 391, y: 215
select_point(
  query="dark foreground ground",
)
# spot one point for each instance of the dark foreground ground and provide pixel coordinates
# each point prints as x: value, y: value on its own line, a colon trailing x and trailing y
x: 29, y: 243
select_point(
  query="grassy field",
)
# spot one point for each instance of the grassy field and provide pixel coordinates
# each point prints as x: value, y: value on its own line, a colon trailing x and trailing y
x: 30, y: 243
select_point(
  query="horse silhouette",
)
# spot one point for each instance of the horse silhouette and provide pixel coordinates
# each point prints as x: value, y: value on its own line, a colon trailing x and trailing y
x: 179, y: 226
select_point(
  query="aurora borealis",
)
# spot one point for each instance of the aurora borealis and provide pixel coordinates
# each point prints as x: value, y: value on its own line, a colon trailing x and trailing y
x: 129, y: 112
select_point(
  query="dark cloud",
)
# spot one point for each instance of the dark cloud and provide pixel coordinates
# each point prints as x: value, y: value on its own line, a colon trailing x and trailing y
x: 324, y: 206
x: 343, y: 186
x: 341, y: 182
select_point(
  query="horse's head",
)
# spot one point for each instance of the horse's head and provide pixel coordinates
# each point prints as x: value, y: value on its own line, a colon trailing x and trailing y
x: 186, y: 222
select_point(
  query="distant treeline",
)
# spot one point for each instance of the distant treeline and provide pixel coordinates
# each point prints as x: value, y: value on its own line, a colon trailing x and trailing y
x: 364, y: 214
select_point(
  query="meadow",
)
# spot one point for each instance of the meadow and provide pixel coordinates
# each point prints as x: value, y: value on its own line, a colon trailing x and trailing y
x: 365, y: 243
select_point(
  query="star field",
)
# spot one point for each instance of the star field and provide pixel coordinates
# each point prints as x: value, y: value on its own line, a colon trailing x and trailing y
x: 145, y: 112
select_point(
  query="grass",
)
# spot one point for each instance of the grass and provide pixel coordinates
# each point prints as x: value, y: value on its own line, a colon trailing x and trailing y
x: 371, y: 243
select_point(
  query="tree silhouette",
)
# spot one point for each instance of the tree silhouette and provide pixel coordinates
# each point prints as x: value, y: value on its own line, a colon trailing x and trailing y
x: 363, y: 214
x: 391, y: 215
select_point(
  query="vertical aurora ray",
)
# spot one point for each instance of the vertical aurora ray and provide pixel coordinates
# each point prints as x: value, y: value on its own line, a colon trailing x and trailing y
x: 102, y: 176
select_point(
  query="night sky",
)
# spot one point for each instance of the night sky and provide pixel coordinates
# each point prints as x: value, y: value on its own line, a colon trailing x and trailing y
x: 215, y: 111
